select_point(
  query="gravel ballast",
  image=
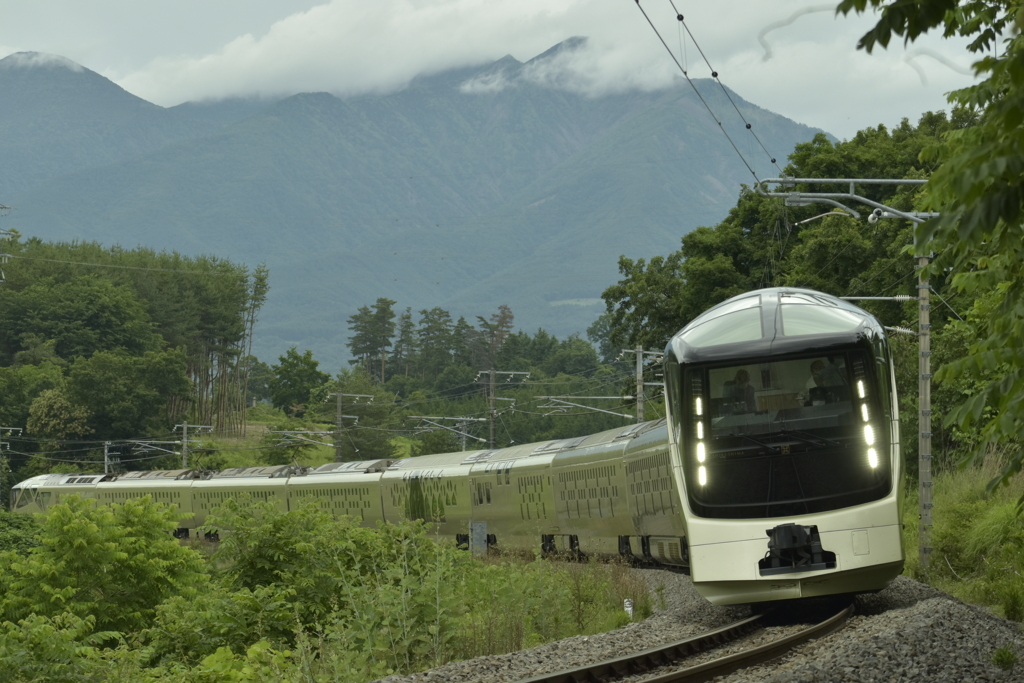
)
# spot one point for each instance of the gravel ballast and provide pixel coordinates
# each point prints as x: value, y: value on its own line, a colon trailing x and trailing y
x: 908, y: 632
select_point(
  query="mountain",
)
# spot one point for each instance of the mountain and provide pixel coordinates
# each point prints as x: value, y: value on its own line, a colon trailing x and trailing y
x: 57, y: 117
x: 466, y: 190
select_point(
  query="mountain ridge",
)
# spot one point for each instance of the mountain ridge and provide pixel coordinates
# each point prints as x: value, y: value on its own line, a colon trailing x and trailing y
x: 435, y: 195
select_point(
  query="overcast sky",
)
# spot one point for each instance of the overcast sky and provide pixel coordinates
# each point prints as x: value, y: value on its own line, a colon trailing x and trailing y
x: 170, y: 52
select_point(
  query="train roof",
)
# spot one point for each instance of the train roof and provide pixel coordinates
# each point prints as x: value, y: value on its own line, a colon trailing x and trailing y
x: 773, y: 321
x: 265, y: 472
x: 176, y: 475
x: 358, y: 466
x: 548, y: 448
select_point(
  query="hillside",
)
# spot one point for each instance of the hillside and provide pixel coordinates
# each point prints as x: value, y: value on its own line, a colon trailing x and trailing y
x: 57, y: 117
x: 466, y: 190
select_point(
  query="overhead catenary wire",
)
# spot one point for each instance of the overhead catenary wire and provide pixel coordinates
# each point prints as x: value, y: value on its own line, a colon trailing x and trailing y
x: 696, y: 91
x: 714, y: 75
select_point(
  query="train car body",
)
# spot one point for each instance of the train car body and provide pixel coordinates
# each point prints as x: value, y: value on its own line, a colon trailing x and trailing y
x: 783, y: 406
x: 775, y: 475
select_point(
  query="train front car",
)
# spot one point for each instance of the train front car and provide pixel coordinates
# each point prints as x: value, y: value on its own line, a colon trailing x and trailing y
x: 786, y: 446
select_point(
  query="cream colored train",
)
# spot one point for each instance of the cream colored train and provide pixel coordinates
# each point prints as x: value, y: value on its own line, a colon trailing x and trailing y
x: 776, y: 474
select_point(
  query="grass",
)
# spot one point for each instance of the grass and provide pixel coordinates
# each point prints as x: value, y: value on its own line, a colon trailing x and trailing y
x: 513, y: 601
x: 977, y: 539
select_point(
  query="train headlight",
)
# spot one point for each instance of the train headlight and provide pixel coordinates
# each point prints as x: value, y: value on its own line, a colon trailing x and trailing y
x: 702, y: 475
x: 869, y: 435
x: 872, y: 458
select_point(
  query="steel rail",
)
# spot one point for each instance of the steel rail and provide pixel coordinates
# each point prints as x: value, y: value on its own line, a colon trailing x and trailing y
x: 646, y: 660
x: 758, y: 655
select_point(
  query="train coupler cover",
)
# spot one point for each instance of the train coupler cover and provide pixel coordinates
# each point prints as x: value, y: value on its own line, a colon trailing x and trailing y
x: 795, y: 548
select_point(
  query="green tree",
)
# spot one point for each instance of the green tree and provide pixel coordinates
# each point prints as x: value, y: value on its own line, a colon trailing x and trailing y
x: 114, y: 564
x: 599, y: 335
x: 53, y: 416
x: 20, y: 385
x: 126, y: 395
x: 80, y: 316
x: 493, y: 333
x: 18, y: 532
x: 362, y: 344
x: 63, y: 648
x: 979, y: 191
x: 373, y: 331
x: 435, y: 342
x: 403, y: 353
x: 464, y: 343
x: 260, y: 376
x: 643, y: 304
x: 295, y: 378
x: 764, y: 243
x: 573, y: 357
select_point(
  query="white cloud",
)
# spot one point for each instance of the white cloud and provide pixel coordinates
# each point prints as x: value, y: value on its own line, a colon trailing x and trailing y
x: 352, y: 47
x: 815, y: 75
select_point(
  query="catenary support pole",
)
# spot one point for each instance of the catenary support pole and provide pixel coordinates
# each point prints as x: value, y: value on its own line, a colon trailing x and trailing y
x: 639, y: 384
x: 493, y: 411
x: 924, y: 439
x: 337, y: 429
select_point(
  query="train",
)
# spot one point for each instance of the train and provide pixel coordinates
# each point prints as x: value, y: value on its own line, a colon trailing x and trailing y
x: 776, y: 473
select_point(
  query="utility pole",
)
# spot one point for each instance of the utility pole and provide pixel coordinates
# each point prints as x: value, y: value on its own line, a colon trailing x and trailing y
x: 924, y: 394
x: 4, y: 233
x: 4, y: 448
x: 640, y: 383
x: 461, y: 424
x: 493, y: 411
x: 338, y: 417
x: 184, y: 439
x: 639, y: 351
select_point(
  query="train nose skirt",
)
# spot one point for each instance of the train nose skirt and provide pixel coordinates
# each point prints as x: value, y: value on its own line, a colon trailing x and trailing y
x: 795, y: 548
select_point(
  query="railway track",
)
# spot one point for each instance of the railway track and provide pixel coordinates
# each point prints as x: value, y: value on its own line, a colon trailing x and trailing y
x: 668, y: 655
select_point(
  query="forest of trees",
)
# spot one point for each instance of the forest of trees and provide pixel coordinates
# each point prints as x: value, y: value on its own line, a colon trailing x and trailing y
x: 102, y: 344
x: 434, y: 365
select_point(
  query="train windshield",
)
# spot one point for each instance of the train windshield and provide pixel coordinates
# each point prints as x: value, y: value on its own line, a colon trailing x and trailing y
x: 773, y: 438
x: 20, y: 497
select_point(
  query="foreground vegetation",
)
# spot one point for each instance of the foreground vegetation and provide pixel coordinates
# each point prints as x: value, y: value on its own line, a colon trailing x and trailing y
x: 105, y: 594
x: 977, y: 539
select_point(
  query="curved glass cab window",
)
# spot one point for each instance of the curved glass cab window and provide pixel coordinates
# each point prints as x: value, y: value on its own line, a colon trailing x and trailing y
x: 23, y: 497
x: 788, y: 436
x: 798, y: 319
x: 729, y: 307
x: 737, y: 326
